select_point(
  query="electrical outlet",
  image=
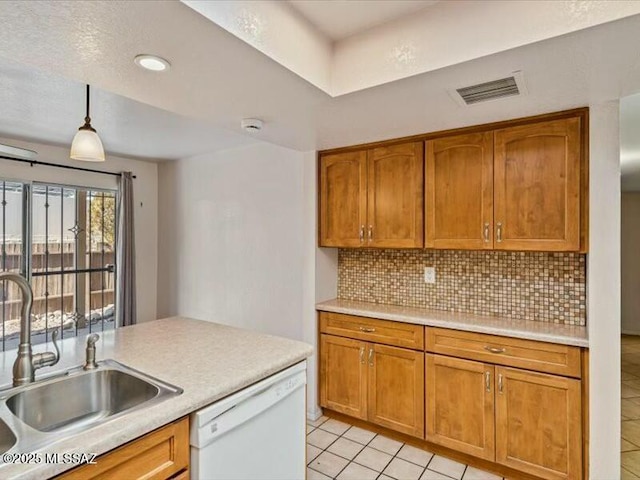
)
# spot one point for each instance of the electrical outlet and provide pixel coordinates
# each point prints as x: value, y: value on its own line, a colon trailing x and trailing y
x: 429, y: 275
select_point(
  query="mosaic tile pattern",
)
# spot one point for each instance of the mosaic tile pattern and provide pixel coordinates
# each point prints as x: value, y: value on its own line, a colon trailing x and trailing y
x: 545, y: 287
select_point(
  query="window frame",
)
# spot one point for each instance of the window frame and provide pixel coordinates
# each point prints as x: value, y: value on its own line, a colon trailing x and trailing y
x: 26, y: 261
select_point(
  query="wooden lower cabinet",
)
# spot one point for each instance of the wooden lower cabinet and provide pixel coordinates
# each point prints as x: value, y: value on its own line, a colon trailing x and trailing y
x: 160, y: 455
x: 539, y: 423
x: 477, y: 396
x: 343, y: 375
x: 378, y: 383
x: 459, y: 405
x: 396, y: 389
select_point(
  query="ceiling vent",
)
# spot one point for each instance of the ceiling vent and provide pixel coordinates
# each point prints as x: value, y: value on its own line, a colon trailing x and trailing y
x: 482, y: 92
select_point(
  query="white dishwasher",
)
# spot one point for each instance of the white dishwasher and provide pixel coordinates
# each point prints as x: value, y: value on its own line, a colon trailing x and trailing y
x: 255, y: 434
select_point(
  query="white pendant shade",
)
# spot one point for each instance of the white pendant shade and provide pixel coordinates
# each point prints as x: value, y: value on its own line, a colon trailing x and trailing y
x: 87, y: 147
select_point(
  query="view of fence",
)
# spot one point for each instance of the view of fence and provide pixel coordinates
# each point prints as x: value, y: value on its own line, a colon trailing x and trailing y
x: 71, y: 260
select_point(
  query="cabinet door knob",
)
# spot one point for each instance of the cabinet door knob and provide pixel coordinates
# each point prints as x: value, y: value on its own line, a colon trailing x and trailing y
x: 370, y: 233
x: 371, y: 357
x: 362, y: 355
x: 487, y: 381
x: 367, y: 329
x: 499, y: 232
x: 361, y: 233
x: 485, y: 233
x: 495, y: 349
x: 500, y: 383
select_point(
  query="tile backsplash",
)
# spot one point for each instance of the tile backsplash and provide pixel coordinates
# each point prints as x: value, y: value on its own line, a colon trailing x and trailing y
x: 546, y: 287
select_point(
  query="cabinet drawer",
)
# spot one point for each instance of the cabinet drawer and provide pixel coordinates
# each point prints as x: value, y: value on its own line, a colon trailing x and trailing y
x: 373, y: 330
x: 515, y: 352
x: 158, y: 455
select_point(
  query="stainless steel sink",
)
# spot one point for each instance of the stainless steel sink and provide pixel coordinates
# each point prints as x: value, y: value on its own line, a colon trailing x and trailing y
x: 43, y: 412
x: 7, y: 437
x: 80, y: 400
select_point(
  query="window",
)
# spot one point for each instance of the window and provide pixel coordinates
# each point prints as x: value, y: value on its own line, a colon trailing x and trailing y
x: 70, y: 235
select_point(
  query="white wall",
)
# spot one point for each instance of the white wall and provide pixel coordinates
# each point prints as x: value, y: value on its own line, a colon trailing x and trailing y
x: 603, y: 280
x: 321, y: 278
x: 237, y: 243
x: 232, y: 230
x: 630, y: 263
x: 146, y: 202
x: 231, y: 235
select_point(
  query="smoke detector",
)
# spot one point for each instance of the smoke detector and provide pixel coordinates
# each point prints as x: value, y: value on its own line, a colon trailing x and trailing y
x: 503, y: 87
x: 251, y: 125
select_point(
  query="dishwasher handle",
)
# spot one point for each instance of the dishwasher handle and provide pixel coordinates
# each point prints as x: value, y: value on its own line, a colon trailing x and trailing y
x: 236, y: 414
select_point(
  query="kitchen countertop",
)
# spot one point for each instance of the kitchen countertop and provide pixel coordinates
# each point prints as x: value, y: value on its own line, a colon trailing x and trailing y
x: 209, y: 361
x: 526, y: 329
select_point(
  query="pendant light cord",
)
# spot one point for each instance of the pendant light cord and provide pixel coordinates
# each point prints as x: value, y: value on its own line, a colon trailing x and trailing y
x: 87, y: 119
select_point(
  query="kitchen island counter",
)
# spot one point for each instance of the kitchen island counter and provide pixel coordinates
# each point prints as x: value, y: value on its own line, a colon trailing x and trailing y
x: 208, y: 361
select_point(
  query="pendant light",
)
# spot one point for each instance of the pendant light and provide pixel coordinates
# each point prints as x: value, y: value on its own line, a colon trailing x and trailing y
x: 86, y: 145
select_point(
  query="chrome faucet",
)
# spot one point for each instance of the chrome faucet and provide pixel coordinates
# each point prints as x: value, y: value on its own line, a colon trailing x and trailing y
x: 90, y: 362
x: 25, y: 366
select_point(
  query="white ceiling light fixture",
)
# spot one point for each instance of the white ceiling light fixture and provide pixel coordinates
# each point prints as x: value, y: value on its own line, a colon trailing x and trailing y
x: 86, y: 145
x: 153, y: 63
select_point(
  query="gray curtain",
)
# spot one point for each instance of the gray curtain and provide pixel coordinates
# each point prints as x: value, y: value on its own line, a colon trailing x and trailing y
x: 126, y: 254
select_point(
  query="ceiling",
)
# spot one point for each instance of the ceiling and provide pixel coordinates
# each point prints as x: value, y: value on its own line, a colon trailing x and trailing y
x: 48, y: 50
x: 48, y: 108
x: 338, y: 19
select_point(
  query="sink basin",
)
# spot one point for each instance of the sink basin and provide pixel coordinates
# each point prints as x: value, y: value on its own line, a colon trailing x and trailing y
x: 80, y: 400
x: 83, y: 399
x: 7, y: 437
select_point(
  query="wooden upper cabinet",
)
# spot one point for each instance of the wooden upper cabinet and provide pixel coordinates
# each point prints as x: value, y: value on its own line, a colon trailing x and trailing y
x: 396, y: 389
x: 459, y: 410
x: 343, y: 199
x: 395, y: 196
x: 459, y: 192
x: 343, y: 375
x: 537, y: 186
x: 538, y: 424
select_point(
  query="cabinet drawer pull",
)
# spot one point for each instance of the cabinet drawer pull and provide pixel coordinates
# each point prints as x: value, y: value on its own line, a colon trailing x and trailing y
x: 495, y: 349
x: 487, y: 381
x: 486, y: 233
x: 367, y: 329
x: 361, y: 233
x: 499, y: 232
x: 362, y: 355
x: 500, y: 383
x: 371, y: 357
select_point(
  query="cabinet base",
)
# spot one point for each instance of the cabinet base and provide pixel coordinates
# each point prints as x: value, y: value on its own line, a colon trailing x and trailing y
x: 433, y: 448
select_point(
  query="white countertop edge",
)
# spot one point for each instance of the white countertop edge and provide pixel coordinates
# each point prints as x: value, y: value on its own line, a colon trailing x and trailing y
x: 506, y: 331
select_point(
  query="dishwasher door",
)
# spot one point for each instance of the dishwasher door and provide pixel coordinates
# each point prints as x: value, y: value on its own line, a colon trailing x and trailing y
x: 255, y: 434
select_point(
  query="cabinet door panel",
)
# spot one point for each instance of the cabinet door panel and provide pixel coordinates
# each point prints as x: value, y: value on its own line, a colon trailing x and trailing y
x: 396, y: 389
x: 343, y: 375
x: 343, y: 199
x: 538, y: 424
x: 459, y: 192
x: 460, y: 396
x: 395, y: 196
x: 537, y: 186
x: 160, y: 454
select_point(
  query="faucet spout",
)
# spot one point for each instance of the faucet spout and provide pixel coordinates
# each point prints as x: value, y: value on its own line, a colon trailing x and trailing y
x: 26, y: 364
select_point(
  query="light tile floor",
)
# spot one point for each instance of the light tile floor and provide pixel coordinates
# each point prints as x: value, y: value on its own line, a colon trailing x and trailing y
x: 630, y: 407
x: 337, y: 450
